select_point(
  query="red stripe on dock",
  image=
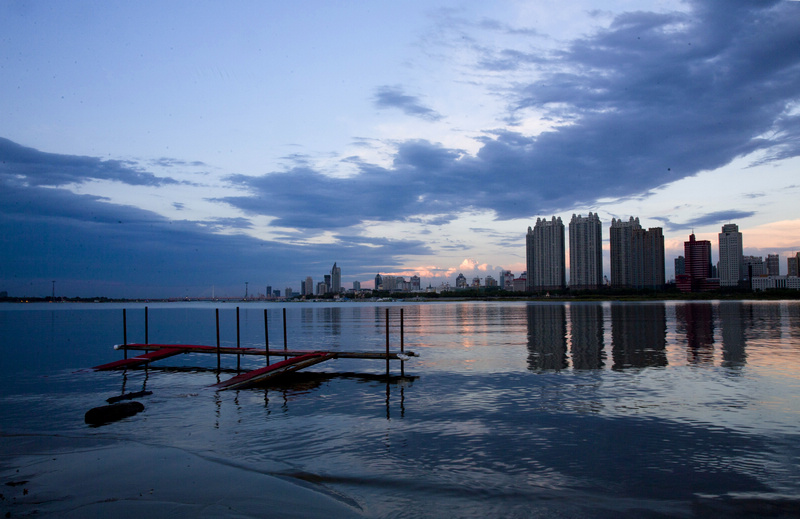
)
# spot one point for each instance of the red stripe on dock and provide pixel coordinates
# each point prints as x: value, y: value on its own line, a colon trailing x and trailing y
x: 273, y: 369
x: 161, y: 353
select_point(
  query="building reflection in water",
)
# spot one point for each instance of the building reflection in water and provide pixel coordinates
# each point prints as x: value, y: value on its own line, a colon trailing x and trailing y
x: 547, y: 337
x: 696, y: 321
x: 638, y: 335
x: 734, y: 319
x: 586, y: 332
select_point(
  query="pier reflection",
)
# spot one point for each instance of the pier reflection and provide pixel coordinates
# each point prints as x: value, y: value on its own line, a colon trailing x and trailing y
x: 638, y: 336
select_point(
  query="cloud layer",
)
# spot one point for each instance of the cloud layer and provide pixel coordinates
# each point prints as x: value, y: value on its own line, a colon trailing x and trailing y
x: 652, y: 99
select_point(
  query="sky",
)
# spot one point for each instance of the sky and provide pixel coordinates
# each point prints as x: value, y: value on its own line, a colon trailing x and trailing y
x: 184, y: 149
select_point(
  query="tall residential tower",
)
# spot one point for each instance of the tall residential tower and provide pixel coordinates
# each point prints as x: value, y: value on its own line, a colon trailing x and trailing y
x: 730, y: 256
x: 585, y: 252
x: 620, y: 240
x: 545, y: 255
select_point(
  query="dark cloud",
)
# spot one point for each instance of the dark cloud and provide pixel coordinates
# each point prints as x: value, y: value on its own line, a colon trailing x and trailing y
x: 715, y: 218
x: 93, y: 247
x: 37, y: 168
x: 394, y: 97
x: 652, y: 99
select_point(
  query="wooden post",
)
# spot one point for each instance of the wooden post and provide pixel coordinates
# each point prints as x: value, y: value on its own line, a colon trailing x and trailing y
x: 266, y: 334
x: 238, y: 343
x: 125, y: 331
x: 387, y: 342
x: 146, y: 341
x: 402, y: 349
x: 285, y: 347
x: 218, y: 355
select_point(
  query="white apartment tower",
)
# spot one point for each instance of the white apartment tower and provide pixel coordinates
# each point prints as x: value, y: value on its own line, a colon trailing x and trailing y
x: 620, y: 239
x: 585, y: 252
x: 730, y: 256
x: 545, y: 256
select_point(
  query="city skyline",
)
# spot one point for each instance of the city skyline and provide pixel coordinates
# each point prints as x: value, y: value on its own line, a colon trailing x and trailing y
x: 141, y: 158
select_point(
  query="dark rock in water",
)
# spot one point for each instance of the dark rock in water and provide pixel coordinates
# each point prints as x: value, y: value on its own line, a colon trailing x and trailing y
x: 111, y: 413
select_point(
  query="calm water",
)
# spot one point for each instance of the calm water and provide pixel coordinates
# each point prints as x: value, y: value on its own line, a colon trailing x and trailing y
x: 511, y: 410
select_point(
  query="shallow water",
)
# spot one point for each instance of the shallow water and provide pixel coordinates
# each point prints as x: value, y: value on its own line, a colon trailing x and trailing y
x: 511, y: 409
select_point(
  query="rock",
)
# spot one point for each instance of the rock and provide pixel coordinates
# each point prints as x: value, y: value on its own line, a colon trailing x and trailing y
x: 111, y: 413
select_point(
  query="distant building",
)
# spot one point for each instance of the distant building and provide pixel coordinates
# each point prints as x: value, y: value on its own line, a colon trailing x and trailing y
x: 620, y: 250
x: 276, y: 293
x: 356, y: 286
x: 647, y: 258
x: 793, y: 265
x: 461, y: 281
x: 378, y: 282
x: 753, y: 266
x: 322, y: 288
x: 490, y: 281
x: 309, y: 287
x: 476, y: 282
x: 680, y: 265
x: 289, y: 292
x: 545, y: 256
x: 336, y: 279
x: 762, y: 283
x: 697, y: 277
x: 269, y: 292
x: 585, y: 252
x: 506, y: 280
x: 730, y: 256
x: 520, y: 284
x: 415, y: 283
x: 773, y: 265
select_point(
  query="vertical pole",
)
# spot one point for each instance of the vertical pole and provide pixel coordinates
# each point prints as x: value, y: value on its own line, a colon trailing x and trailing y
x: 285, y: 347
x: 387, y: 342
x: 402, y: 349
x: 238, y: 343
x: 266, y: 334
x: 125, y: 330
x: 218, y: 356
x: 146, y: 340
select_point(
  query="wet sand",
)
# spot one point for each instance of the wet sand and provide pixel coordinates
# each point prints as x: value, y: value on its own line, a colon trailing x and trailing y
x: 52, y: 476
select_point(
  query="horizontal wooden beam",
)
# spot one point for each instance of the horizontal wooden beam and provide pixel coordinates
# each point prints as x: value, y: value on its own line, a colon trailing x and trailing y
x: 197, y: 348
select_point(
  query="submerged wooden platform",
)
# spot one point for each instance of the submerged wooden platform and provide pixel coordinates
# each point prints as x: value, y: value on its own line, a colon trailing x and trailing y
x: 294, y: 360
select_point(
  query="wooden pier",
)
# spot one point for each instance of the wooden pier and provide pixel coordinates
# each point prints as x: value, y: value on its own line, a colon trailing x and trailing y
x: 294, y: 360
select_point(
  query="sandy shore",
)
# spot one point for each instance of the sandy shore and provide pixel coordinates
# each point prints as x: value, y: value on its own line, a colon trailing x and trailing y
x: 51, y: 476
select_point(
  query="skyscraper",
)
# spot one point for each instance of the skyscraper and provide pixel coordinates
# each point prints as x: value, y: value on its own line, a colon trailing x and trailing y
x: 620, y: 239
x: 336, y: 279
x: 773, y: 265
x: 585, y: 252
x: 730, y: 256
x: 545, y: 256
x: 647, y: 258
x: 698, y: 267
x: 793, y: 265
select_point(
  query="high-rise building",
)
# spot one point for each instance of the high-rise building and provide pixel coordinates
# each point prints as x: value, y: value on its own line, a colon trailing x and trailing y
x: 793, y: 265
x: 269, y: 292
x: 585, y: 252
x: 506, y: 280
x: 730, y: 256
x: 327, y: 282
x: 647, y: 258
x: 461, y: 281
x: 336, y: 279
x: 773, y: 265
x: 378, y: 282
x: 698, y: 267
x: 545, y: 256
x: 415, y: 283
x: 356, y: 286
x: 309, y: 287
x: 680, y: 265
x: 620, y: 241
x: 753, y: 266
